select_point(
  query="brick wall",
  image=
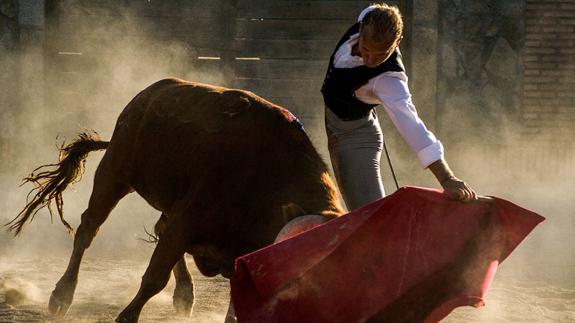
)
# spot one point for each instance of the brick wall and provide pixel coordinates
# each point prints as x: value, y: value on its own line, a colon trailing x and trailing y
x: 549, y: 72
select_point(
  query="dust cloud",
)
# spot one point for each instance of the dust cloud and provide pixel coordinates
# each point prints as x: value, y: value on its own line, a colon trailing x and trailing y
x: 77, y: 101
x: 541, y: 271
x: 48, y: 100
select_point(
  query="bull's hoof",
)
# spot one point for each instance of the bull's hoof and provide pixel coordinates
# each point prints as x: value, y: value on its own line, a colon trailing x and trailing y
x: 61, y: 297
x: 183, y: 299
x: 58, y: 306
x: 127, y: 317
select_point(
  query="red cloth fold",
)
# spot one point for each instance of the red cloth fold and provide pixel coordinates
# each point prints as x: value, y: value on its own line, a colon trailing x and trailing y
x: 410, y: 257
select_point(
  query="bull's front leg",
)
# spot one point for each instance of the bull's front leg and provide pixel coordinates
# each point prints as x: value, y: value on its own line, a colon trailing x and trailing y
x: 170, y: 249
x: 183, y: 298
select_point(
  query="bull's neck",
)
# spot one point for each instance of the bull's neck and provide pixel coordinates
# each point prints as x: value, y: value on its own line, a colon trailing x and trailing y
x: 326, y: 201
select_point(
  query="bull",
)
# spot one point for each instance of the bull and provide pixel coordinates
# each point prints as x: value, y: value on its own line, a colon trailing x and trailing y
x: 227, y: 169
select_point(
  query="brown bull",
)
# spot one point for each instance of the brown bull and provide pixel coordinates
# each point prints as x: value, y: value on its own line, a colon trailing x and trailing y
x: 225, y: 167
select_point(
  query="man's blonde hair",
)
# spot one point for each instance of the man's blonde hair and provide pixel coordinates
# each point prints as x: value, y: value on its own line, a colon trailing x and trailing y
x: 382, y: 24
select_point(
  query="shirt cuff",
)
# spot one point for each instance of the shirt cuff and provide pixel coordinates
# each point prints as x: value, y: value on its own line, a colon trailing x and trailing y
x: 430, y: 154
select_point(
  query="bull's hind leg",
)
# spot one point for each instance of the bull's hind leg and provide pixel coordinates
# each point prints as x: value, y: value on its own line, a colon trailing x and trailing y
x: 170, y: 249
x: 231, y: 314
x: 105, y: 195
x: 183, y: 299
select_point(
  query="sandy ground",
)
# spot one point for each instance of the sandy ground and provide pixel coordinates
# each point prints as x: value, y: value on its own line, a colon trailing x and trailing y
x: 107, y: 285
x: 521, y: 300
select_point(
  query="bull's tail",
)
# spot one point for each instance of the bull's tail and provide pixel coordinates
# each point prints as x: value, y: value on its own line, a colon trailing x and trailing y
x: 52, y: 179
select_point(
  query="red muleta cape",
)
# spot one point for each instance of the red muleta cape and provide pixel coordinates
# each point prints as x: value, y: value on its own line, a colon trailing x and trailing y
x: 410, y: 257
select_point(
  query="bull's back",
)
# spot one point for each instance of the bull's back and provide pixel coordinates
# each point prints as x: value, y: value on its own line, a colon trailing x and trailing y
x: 179, y: 136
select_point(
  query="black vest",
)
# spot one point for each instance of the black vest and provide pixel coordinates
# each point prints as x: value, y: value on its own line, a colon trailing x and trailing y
x: 340, y: 84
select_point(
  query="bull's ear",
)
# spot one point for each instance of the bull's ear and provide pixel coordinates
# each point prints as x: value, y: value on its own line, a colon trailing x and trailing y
x: 291, y: 211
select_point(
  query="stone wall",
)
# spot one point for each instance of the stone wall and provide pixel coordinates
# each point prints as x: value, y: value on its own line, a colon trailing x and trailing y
x: 21, y: 81
x: 32, y: 98
x: 9, y: 76
x: 549, y: 68
x: 506, y: 86
x: 479, y: 94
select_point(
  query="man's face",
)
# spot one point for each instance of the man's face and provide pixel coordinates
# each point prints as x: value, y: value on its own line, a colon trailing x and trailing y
x: 375, y: 53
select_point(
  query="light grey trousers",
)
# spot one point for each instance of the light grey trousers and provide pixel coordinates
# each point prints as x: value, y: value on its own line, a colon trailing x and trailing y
x: 355, y: 150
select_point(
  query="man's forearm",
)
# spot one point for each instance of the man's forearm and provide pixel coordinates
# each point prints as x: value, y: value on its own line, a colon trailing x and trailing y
x: 441, y: 171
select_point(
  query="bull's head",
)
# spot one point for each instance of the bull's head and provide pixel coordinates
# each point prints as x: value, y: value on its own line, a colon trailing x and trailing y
x: 298, y: 221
